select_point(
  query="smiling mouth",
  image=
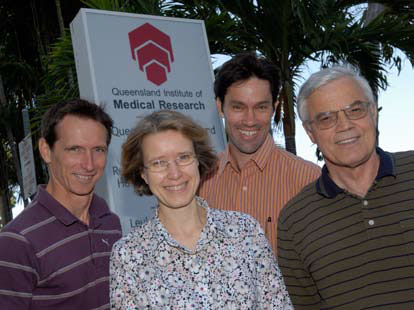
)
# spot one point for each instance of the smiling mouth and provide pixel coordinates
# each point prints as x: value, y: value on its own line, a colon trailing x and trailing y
x: 347, y: 141
x: 84, y: 177
x: 248, y: 133
x: 176, y: 187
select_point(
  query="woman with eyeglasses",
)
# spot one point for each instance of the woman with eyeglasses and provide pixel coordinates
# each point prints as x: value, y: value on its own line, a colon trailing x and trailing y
x: 189, y: 256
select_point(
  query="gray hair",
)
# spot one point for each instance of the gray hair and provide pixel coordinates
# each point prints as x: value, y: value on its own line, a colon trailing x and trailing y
x: 324, y: 77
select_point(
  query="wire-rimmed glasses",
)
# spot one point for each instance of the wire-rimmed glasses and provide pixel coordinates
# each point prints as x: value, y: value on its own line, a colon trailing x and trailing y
x: 160, y: 165
x: 326, y: 120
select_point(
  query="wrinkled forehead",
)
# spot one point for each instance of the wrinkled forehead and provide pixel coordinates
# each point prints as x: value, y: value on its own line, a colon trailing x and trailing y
x: 335, y: 95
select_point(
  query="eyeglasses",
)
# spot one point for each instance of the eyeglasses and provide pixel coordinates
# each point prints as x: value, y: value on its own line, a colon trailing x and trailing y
x: 326, y: 120
x: 159, y: 165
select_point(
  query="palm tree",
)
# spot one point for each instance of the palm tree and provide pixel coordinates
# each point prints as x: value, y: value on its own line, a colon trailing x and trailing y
x: 289, y: 33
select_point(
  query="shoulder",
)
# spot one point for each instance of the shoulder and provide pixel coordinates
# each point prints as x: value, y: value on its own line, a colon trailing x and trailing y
x: 294, y: 161
x: 402, y: 162
x: 404, y: 157
x: 101, y: 204
x: 19, y: 236
x: 31, y: 215
x: 139, y: 239
x: 235, y: 223
x: 303, y: 200
x: 107, y: 213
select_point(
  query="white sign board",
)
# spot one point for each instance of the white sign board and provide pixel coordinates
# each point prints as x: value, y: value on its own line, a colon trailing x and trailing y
x: 28, y: 167
x: 135, y: 65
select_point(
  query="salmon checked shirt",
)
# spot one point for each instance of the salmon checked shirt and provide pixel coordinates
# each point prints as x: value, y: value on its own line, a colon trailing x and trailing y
x: 264, y: 185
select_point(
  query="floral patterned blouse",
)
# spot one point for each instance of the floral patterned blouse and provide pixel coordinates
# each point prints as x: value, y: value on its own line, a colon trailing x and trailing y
x: 232, y: 267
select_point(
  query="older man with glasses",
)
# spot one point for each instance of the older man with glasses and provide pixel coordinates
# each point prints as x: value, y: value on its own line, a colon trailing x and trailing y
x: 347, y: 240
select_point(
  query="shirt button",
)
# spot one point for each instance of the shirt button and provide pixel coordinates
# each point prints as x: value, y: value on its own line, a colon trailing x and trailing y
x: 365, y: 202
x: 371, y: 222
x: 244, y: 188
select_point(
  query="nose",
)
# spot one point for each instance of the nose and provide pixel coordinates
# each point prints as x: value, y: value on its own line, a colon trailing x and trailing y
x: 174, y: 171
x: 343, y: 123
x: 88, y: 161
x: 250, y: 117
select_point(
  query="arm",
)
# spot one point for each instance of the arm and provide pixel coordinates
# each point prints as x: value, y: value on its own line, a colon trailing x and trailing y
x: 272, y: 293
x: 299, y: 282
x: 125, y: 291
x: 18, y: 271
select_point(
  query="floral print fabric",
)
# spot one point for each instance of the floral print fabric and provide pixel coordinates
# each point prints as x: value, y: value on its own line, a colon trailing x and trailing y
x: 232, y: 267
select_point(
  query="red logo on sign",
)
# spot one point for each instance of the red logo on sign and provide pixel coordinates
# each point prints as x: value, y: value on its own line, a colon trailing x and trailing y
x: 151, y: 48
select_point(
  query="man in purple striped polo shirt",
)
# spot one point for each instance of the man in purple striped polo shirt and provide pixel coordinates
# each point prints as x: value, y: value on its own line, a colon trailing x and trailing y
x: 55, y: 254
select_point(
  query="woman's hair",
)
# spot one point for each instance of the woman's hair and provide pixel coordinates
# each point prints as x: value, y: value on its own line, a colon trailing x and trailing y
x: 132, y: 162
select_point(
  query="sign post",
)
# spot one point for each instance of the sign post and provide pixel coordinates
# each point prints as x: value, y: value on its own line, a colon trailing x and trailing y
x: 134, y: 65
x: 27, y: 166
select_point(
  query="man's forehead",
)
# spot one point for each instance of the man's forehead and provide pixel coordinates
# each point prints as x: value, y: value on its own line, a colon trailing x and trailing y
x: 340, y: 92
x: 76, y: 130
x: 254, y: 89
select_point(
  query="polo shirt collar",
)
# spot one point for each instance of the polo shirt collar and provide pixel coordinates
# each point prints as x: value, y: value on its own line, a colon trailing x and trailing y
x: 97, y: 209
x: 328, y: 188
x: 260, y: 158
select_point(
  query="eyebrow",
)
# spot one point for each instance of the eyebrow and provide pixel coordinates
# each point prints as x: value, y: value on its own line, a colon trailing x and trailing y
x: 178, y: 154
x: 257, y: 103
x: 347, y: 106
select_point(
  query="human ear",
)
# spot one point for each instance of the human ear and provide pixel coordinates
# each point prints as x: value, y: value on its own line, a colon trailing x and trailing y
x: 219, y: 105
x: 45, y: 150
x: 375, y: 111
x: 144, y: 176
x: 309, y: 132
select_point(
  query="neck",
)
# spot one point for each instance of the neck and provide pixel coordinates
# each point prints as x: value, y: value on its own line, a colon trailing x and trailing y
x: 77, y: 205
x: 184, y: 224
x: 240, y: 159
x: 356, y: 180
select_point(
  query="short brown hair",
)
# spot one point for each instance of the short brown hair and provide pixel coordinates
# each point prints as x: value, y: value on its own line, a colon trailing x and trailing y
x: 77, y: 107
x: 132, y: 162
x: 242, y: 67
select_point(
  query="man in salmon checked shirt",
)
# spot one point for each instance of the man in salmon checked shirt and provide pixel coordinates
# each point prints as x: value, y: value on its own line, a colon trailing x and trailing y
x: 254, y: 175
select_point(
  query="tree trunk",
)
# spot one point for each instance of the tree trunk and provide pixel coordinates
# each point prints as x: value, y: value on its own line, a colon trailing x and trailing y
x: 40, y: 48
x: 12, y: 143
x: 60, y: 18
x: 287, y: 89
x: 288, y: 118
x: 5, y: 210
x: 62, y: 33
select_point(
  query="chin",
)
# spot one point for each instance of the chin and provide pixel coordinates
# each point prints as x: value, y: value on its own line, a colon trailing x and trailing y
x: 178, y: 203
x: 83, y: 192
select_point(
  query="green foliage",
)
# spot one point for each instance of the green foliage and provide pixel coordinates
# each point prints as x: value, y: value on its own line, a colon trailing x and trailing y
x: 59, y: 80
x: 289, y: 33
x: 110, y: 5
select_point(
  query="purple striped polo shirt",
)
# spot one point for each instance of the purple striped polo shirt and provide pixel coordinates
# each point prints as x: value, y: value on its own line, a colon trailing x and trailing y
x: 51, y: 260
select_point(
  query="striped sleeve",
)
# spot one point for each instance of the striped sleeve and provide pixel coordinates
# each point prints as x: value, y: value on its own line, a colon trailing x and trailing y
x: 19, y: 271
